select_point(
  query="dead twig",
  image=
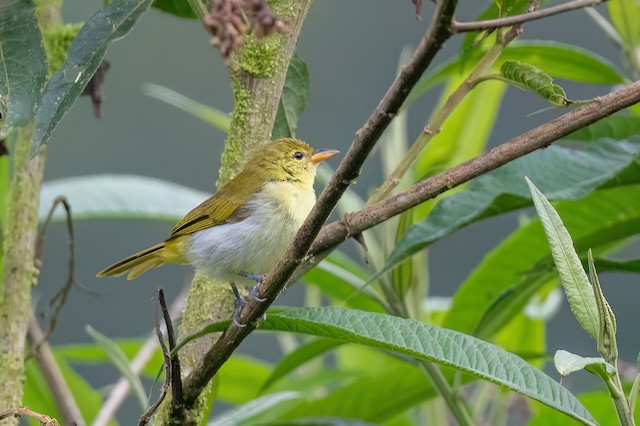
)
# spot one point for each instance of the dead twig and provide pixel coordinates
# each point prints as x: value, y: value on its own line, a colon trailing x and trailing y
x: 121, y: 388
x: 26, y: 412
x: 60, y: 298
x: 171, y: 364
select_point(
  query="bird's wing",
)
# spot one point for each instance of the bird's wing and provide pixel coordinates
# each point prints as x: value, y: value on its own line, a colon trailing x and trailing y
x: 225, y: 206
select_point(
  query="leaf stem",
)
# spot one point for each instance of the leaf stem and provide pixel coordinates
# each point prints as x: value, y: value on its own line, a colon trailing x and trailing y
x: 455, y: 404
x: 619, y: 401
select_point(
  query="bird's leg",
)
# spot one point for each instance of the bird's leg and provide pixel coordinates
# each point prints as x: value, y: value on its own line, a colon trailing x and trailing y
x: 254, y: 291
x: 240, y: 303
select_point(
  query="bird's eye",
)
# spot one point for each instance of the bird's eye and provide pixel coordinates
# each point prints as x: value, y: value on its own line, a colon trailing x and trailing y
x: 298, y: 155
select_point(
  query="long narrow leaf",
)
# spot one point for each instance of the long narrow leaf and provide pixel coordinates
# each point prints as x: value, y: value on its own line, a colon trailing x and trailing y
x: 573, y: 278
x: 23, y: 64
x: 423, y: 341
x: 299, y: 357
x: 561, y: 172
x: 120, y: 196
x: 215, y: 117
x: 501, y: 285
x: 107, y: 25
x: 449, y: 348
x: 121, y: 362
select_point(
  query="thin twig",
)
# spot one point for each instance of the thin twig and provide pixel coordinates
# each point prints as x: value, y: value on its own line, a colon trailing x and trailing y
x: 26, y: 412
x: 176, y: 377
x: 438, y: 32
x: 59, y: 299
x: 121, y: 388
x: 41, y: 351
x: 492, y: 24
x: 171, y: 364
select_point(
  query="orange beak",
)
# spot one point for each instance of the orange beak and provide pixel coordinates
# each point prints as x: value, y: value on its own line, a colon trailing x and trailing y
x: 322, y: 154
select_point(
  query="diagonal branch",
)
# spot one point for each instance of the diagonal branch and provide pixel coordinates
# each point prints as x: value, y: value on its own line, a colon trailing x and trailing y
x: 492, y: 24
x: 439, y: 31
x: 539, y: 137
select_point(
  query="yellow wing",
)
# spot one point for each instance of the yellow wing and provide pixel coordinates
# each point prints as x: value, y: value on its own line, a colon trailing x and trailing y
x: 225, y: 206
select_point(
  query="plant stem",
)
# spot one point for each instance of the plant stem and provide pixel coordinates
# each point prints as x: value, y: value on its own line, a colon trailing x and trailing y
x: 437, y: 120
x: 455, y: 404
x: 19, y: 270
x: 69, y: 410
x: 614, y: 387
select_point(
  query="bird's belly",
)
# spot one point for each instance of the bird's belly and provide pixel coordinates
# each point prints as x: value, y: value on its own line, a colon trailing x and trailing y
x: 251, y: 246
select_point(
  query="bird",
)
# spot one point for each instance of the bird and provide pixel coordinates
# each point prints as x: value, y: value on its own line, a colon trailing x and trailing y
x: 239, y: 233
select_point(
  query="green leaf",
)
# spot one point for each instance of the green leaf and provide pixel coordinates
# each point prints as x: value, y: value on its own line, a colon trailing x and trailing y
x: 218, y: 119
x: 502, y: 284
x: 562, y: 172
x: 559, y: 60
x: 617, y: 127
x: 573, y: 278
x: 322, y: 421
x: 23, y: 64
x: 607, y: 326
x: 120, y: 361
x: 496, y: 9
x: 263, y: 409
x: 374, y: 397
x: 624, y: 16
x: 299, y: 357
x: 598, y: 403
x: 567, y: 363
x: 179, y: 8
x: 466, y: 131
x: 107, y: 25
x: 529, y: 77
x: 340, y: 278
x: 423, y: 341
x: 38, y: 397
x: 120, y: 196
x: 293, y: 100
x: 241, y: 377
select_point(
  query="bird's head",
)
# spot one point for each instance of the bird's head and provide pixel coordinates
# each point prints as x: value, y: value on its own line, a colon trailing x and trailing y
x: 290, y: 160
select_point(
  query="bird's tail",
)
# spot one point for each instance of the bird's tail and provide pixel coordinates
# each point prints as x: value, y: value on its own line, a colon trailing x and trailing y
x: 138, y: 263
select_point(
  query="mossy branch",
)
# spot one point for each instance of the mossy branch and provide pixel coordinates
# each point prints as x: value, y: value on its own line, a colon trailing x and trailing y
x: 20, y: 273
x: 19, y: 270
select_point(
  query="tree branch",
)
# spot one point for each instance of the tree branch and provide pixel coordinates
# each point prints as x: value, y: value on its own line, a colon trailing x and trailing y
x: 539, y: 137
x: 439, y: 31
x: 492, y: 24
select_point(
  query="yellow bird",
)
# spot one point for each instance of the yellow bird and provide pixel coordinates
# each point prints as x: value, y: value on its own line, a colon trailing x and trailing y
x: 242, y: 231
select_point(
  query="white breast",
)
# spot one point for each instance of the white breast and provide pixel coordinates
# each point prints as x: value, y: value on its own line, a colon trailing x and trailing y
x: 255, y: 244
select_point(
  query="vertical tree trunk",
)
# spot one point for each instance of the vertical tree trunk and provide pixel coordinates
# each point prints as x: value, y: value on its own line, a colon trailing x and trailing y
x: 257, y: 75
x: 19, y: 237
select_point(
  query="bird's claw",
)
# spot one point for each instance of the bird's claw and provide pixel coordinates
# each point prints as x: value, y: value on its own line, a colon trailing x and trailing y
x: 240, y: 303
x: 255, y: 294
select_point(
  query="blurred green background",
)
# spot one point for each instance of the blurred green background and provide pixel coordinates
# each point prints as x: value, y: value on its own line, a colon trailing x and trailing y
x: 351, y: 49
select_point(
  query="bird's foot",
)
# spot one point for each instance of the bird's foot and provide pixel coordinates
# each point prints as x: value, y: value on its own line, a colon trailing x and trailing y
x: 255, y: 294
x: 240, y: 303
